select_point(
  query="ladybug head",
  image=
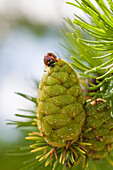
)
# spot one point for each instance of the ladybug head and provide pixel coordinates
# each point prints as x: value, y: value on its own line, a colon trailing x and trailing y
x: 50, y: 59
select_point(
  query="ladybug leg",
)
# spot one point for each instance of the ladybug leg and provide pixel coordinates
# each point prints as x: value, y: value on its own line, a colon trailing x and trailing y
x: 52, y: 64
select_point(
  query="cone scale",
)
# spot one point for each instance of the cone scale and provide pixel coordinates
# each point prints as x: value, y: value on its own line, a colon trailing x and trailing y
x: 100, y: 136
x: 60, y: 110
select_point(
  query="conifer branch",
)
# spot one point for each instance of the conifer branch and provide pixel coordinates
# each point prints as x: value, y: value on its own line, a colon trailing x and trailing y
x: 90, y: 45
x: 94, y: 47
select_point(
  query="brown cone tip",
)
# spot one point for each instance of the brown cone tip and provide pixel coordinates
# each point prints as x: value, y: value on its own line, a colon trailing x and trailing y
x: 96, y: 101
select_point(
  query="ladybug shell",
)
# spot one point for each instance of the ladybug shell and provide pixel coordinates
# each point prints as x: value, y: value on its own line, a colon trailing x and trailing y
x: 49, y: 59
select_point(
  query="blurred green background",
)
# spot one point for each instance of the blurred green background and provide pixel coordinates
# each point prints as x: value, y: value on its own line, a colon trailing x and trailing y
x: 28, y: 30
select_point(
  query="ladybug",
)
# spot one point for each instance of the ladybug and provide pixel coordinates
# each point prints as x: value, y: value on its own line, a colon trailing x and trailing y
x: 50, y: 59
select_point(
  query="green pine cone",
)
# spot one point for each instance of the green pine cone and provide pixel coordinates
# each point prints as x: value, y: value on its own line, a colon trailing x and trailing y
x: 60, y: 105
x: 100, y: 123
